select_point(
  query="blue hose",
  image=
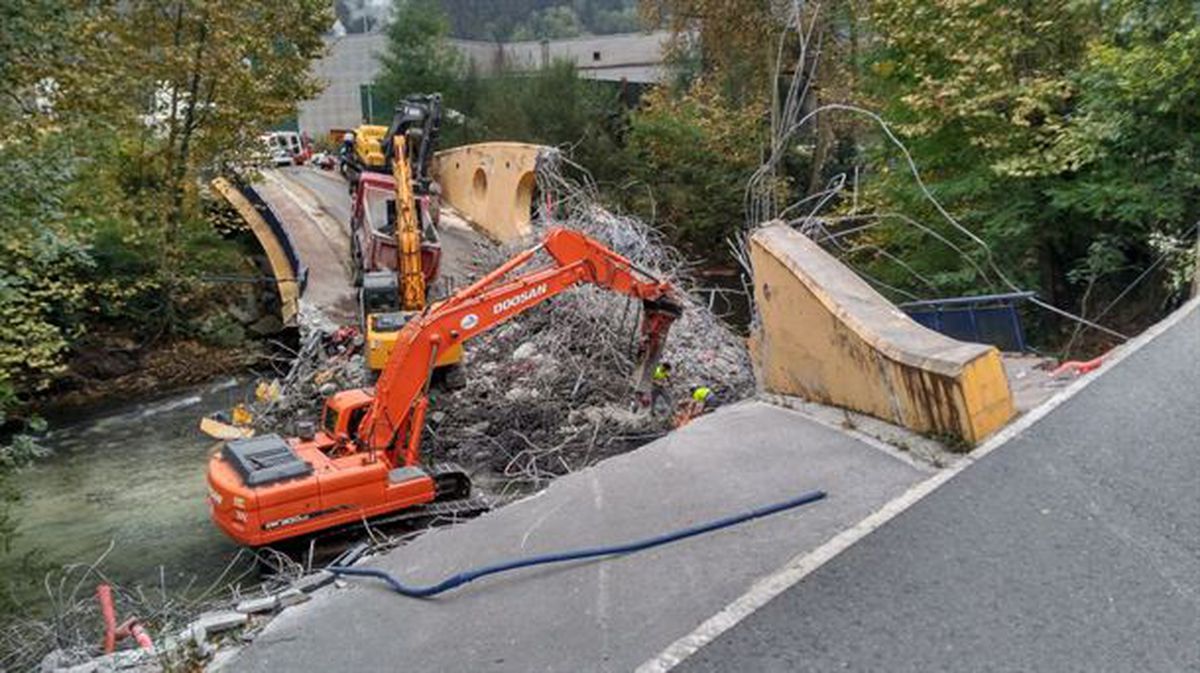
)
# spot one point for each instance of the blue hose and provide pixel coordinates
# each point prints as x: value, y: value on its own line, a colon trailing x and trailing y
x: 576, y: 555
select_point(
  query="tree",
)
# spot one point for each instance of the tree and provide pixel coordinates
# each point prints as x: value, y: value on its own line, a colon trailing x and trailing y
x: 418, y: 58
x: 193, y: 83
x: 552, y: 23
x: 111, y: 114
x: 1061, y: 133
x: 980, y: 91
x: 107, y: 126
x: 692, y: 153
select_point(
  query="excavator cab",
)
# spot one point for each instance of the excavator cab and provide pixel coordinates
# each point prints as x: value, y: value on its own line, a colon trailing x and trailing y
x: 418, y: 118
x: 382, y: 320
x: 344, y: 412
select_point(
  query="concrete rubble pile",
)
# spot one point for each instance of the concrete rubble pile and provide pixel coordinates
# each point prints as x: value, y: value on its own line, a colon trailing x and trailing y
x: 325, y: 362
x: 551, y: 392
x: 207, y: 640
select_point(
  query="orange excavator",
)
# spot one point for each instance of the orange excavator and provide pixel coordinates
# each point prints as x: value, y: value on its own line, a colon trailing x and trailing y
x: 364, y: 461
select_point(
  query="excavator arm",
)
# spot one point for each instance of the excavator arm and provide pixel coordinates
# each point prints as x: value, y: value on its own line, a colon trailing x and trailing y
x: 408, y: 232
x: 408, y: 146
x: 397, y: 412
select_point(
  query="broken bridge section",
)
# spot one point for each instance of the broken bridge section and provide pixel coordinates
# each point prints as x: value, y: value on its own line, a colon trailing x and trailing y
x: 828, y: 336
x: 492, y: 185
x: 290, y: 273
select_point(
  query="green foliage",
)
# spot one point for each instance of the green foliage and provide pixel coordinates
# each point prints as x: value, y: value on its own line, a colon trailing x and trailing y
x: 692, y: 154
x: 45, y: 266
x: 553, y: 106
x: 418, y: 57
x: 536, y: 19
x: 111, y: 116
x: 552, y: 23
x: 1061, y: 133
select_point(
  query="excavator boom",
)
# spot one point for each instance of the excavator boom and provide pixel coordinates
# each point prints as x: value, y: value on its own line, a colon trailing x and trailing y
x: 396, y: 415
x: 408, y: 234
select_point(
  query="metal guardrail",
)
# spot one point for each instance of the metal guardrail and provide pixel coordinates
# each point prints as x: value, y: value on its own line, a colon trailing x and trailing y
x: 990, y: 318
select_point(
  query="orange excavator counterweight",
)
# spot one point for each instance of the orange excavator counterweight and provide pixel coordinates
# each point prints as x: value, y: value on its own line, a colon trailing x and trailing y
x: 364, y: 460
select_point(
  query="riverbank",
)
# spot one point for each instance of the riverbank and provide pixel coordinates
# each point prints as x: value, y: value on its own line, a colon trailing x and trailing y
x: 130, y: 375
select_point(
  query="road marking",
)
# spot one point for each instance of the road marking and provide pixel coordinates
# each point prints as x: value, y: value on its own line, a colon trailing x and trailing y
x: 802, y: 564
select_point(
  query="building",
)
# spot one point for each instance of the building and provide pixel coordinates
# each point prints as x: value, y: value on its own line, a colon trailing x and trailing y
x: 352, y: 64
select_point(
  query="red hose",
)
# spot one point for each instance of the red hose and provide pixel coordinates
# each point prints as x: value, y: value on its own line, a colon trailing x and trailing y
x: 132, y: 628
x: 129, y: 628
x: 104, y: 595
x: 1079, y: 367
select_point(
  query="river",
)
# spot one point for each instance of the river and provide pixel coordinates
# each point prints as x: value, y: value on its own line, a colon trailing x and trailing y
x: 133, y: 476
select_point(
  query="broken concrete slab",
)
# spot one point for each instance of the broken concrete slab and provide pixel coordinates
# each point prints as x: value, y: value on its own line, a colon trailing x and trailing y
x: 216, y: 622
x: 252, y: 606
x: 291, y: 597
x: 825, y: 335
x: 310, y: 583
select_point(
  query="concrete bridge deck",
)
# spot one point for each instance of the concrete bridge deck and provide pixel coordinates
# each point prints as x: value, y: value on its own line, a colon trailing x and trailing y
x: 607, y: 615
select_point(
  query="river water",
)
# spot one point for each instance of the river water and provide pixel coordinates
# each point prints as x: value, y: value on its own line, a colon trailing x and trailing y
x: 132, y: 476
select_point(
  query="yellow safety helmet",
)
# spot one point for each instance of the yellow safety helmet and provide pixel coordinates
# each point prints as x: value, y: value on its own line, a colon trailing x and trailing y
x: 701, y: 394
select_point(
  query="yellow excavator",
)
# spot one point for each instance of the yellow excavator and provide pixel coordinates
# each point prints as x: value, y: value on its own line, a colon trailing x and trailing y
x: 389, y: 298
x: 368, y: 150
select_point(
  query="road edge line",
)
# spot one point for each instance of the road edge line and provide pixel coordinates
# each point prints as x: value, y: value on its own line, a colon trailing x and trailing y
x: 801, y: 565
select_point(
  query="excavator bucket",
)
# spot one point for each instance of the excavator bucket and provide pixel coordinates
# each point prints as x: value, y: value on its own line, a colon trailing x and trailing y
x: 657, y: 317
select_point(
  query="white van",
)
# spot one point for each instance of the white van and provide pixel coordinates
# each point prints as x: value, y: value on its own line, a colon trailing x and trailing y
x: 283, y: 147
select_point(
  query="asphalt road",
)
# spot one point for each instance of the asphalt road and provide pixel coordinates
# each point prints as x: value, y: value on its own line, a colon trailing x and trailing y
x: 1075, y: 547
x: 459, y: 241
x: 321, y: 240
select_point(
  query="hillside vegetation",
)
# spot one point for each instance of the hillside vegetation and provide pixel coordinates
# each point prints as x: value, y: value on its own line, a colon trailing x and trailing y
x: 1063, y: 136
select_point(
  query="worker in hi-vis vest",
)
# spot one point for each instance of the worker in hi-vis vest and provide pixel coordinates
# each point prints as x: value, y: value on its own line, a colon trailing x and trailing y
x: 659, y: 381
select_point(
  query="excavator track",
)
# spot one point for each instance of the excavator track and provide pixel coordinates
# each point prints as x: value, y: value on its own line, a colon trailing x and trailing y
x: 453, y: 500
x: 450, y: 480
x: 427, y: 515
x: 466, y: 507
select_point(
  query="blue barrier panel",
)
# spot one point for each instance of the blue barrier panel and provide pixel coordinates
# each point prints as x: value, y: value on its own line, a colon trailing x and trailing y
x: 987, y: 319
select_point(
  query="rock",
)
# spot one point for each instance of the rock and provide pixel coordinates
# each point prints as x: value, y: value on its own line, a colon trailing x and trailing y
x: 253, y: 606
x: 54, y: 660
x: 244, y: 312
x: 524, y: 351
x: 222, y: 331
x: 199, y: 638
x: 102, y: 363
x: 216, y: 622
x: 267, y: 325
x: 129, y: 661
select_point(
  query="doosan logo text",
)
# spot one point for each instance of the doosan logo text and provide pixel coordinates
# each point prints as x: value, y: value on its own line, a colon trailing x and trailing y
x: 518, y: 299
